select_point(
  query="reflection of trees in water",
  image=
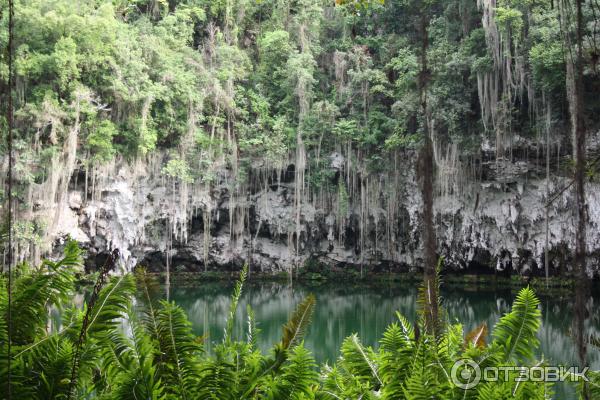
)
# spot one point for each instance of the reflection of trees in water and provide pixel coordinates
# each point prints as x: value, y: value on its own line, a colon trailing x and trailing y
x: 339, y: 312
x: 344, y: 309
x: 472, y: 308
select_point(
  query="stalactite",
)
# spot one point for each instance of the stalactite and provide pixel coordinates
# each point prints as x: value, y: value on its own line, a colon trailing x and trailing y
x: 362, y: 225
x: 449, y: 169
x: 547, y: 127
x: 52, y: 192
x: 206, y: 236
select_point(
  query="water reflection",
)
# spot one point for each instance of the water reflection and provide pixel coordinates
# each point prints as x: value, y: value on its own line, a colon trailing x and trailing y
x: 343, y: 309
x: 367, y: 311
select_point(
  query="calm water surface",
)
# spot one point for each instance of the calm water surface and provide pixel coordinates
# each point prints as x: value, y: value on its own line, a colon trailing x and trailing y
x: 343, y: 309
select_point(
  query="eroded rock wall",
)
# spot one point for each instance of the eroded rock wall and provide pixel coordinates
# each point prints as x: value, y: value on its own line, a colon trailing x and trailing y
x: 495, y: 221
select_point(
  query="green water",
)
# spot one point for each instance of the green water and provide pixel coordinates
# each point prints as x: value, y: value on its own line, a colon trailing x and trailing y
x: 343, y: 309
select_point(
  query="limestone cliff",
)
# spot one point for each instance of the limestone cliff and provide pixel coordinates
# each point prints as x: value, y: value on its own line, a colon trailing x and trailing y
x: 495, y: 219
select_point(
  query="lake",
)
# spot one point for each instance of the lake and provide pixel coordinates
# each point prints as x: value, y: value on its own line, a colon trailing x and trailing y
x: 346, y: 308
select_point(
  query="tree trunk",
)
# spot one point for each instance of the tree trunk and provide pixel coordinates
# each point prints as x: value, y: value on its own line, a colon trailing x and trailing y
x: 425, y: 175
x: 580, y: 157
x: 580, y: 162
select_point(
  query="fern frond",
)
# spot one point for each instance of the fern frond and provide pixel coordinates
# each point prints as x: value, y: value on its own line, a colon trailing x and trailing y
x: 253, y: 331
x: 128, y: 364
x: 395, y: 355
x: 49, y: 368
x: 235, y: 298
x: 427, y: 378
x: 593, y: 384
x: 337, y: 383
x: 72, y: 257
x: 33, y: 293
x: 217, y: 381
x: 494, y: 391
x: 178, y: 366
x: 293, y: 333
x: 360, y: 361
x: 429, y: 299
x: 295, y: 329
x: 516, y: 331
x: 111, y: 306
x: 3, y: 310
x: 423, y: 385
x: 297, y: 376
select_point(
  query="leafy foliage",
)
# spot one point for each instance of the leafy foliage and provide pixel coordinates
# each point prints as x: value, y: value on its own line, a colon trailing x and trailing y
x: 203, y: 79
x: 149, y: 351
x: 152, y: 355
x: 418, y: 366
x: 516, y: 331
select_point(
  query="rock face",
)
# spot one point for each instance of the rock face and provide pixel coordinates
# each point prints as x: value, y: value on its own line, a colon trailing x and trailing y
x: 491, y: 223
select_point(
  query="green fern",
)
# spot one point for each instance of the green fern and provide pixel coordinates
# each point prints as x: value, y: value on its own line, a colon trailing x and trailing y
x: 178, y: 363
x: 429, y: 298
x: 426, y: 379
x: 293, y: 334
x: 217, y: 381
x: 593, y: 384
x: 295, y: 329
x: 51, y: 284
x: 128, y: 363
x: 235, y: 299
x: 395, y: 355
x: 297, y: 377
x: 360, y: 361
x: 112, y: 305
x: 516, y: 331
x: 253, y: 331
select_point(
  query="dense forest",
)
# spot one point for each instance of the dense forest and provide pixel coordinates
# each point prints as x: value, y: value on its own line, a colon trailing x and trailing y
x: 238, y: 96
x: 296, y: 140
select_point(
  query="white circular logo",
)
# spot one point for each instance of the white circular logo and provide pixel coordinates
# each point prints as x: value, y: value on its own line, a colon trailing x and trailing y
x: 465, y: 374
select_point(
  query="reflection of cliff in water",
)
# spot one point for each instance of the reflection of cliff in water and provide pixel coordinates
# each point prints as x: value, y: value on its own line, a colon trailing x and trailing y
x: 343, y: 309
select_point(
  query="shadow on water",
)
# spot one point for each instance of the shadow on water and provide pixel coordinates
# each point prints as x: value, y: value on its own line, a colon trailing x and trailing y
x: 343, y: 309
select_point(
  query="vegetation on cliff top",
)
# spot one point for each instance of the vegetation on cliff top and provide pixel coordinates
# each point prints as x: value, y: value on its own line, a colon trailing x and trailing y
x: 222, y: 83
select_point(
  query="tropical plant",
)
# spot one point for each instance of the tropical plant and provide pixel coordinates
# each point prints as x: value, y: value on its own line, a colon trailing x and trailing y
x: 109, y: 348
x: 147, y: 349
x: 414, y: 365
